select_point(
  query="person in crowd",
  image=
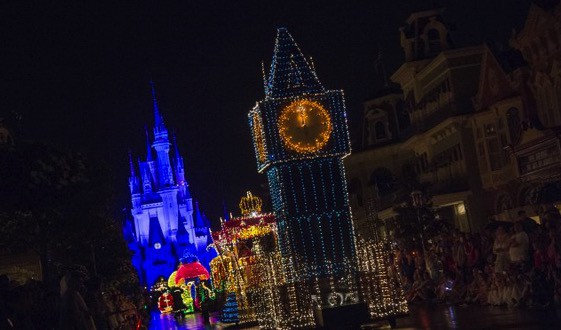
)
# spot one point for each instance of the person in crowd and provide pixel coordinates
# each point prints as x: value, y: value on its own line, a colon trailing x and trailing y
x: 528, y: 223
x: 519, y: 246
x: 472, y: 254
x: 501, y: 250
x: 492, y: 291
x: 486, y: 245
x: 476, y: 291
x: 74, y: 313
x: 413, y: 293
x: 114, y: 317
x: 448, y: 261
x: 432, y: 265
x: 408, y: 266
x: 6, y: 312
x: 521, y: 269
x: 96, y: 301
x: 553, y: 250
x: 540, y: 255
x: 459, y: 254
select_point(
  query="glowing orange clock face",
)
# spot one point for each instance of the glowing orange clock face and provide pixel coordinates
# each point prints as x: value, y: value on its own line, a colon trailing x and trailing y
x: 304, y: 126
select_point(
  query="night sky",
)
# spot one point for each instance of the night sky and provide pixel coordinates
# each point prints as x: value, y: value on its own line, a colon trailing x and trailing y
x: 78, y: 74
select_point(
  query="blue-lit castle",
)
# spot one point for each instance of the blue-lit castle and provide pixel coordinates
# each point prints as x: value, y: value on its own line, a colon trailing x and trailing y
x: 164, y: 227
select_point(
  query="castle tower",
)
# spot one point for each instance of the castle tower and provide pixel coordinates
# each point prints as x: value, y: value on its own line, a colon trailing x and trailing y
x: 162, y: 209
x: 161, y: 145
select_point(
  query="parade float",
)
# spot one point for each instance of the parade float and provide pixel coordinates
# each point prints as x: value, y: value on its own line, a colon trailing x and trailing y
x: 328, y: 277
x: 248, y: 265
x: 184, y: 289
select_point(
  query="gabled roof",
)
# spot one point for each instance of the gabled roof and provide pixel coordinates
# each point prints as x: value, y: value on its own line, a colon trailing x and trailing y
x: 290, y: 72
x: 536, y: 16
x: 494, y: 85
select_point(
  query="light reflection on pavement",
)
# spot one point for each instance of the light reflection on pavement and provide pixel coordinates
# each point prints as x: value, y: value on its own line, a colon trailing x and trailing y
x: 421, y: 317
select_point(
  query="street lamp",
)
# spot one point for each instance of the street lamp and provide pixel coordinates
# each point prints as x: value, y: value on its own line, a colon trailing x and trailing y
x: 417, y: 200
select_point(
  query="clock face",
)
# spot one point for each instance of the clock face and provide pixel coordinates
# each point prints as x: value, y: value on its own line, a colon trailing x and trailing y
x: 304, y: 126
x: 258, y: 137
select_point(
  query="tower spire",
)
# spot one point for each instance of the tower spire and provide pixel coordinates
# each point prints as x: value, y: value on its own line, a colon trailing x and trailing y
x: 147, y: 184
x: 175, y: 148
x: 294, y: 77
x: 179, y: 168
x: 265, y: 79
x: 133, y: 171
x: 288, y: 67
x: 133, y: 179
x: 158, y: 119
x: 148, y: 145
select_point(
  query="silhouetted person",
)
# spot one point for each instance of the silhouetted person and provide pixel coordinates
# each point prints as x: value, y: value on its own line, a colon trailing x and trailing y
x: 74, y: 313
x: 6, y: 318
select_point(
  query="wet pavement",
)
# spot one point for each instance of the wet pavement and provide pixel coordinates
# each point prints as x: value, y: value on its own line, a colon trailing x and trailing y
x: 420, y: 317
x: 479, y: 317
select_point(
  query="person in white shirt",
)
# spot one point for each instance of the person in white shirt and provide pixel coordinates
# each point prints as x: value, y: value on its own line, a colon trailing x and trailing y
x: 519, y: 245
x: 500, y: 249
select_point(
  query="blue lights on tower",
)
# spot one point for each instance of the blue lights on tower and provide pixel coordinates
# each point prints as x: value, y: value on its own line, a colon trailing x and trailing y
x: 306, y: 176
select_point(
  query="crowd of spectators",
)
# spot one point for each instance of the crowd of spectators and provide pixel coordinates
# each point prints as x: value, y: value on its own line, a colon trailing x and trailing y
x: 71, y: 303
x: 515, y: 264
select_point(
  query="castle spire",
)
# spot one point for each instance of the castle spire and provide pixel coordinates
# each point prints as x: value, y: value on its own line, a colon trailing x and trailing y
x: 158, y: 119
x: 148, y: 145
x: 179, y: 168
x: 133, y: 179
x: 290, y: 73
x: 133, y: 171
x: 176, y: 149
x: 147, y: 184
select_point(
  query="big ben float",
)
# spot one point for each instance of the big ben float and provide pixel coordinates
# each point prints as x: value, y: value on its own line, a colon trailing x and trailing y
x: 300, y: 135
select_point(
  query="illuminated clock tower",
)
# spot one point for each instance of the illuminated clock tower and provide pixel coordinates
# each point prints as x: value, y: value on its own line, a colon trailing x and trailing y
x: 300, y: 137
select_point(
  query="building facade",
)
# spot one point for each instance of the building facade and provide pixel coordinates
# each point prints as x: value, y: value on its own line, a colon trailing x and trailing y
x: 483, y: 126
x: 518, y: 121
x: 431, y: 139
x: 165, y: 226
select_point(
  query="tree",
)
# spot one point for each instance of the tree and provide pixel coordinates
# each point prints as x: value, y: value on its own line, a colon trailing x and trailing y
x: 62, y: 206
x: 414, y: 221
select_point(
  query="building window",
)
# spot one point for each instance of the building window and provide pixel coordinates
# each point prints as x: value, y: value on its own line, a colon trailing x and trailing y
x: 514, y: 127
x: 495, y: 154
x: 376, y: 126
x: 495, y: 142
x: 490, y: 130
x: 380, y: 130
x: 433, y: 38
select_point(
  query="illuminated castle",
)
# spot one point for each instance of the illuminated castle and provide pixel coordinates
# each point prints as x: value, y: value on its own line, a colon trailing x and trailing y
x: 164, y: 225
